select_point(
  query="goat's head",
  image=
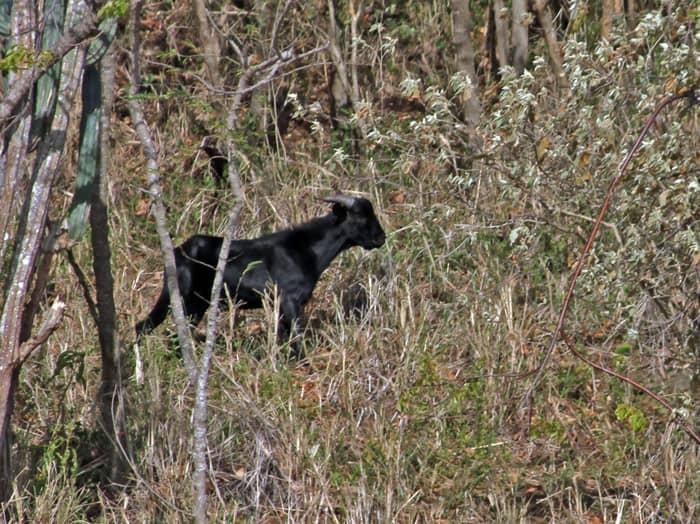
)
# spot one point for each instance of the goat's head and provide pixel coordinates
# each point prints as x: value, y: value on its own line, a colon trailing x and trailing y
x: 359, y: 220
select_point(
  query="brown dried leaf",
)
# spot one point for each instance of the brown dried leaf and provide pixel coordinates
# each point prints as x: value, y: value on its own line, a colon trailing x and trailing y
x: 142, y: 207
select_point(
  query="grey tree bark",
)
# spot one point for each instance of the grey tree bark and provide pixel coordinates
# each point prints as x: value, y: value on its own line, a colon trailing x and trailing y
x: 23, y: 221
x: 110, y: 395
x: 520, y: 32
x: 252, y: 78
x: 462, y: 25
x: 85, y: 27
x: 154, y: 187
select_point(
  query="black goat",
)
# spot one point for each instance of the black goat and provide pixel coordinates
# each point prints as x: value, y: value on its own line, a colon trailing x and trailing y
x: 292, y: 259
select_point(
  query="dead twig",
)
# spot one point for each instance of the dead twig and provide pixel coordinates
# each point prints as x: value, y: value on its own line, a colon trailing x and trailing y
x: 84, y: 285
x: 51, y: 321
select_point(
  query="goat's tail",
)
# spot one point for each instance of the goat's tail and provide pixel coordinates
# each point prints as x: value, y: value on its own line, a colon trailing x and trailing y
x: 157, y: 314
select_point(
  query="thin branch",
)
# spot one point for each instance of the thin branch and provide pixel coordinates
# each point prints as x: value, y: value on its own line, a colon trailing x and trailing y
x: 84, y: 286
x: 284, y: 58
x: 159, y: 212
x: 335, y: 52
x: 279, y: 16
x: 280, y: 59
x: 200, y: 410
x: 83, y: 29
x: 692, y: 97
x: 51, y: 321
x: 677, y: 417
x: 355, y: 15
x: 609, y: 225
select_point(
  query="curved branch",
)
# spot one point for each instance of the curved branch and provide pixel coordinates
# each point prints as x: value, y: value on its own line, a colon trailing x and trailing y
x: 149, y: 149
x: 682, y: 421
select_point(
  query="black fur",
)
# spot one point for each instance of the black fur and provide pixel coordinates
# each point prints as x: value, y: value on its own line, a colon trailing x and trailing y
x: 292, y: 259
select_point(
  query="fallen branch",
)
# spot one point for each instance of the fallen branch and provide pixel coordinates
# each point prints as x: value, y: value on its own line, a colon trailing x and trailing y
x: 156, y: 191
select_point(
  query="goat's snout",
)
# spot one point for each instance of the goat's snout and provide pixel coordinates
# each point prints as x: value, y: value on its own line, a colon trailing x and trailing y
x: 373, y: 235
x: 379, y: 239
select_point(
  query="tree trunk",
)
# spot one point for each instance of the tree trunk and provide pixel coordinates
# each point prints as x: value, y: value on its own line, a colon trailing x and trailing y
x: 520, y: 31
x: 8, y: 383
x: 40, y: 282
x: 544, y: 16
x: 26, y: 239
x: 500, y: 18
x: 462, y: 25
x: 631, y: 13
x: 606, y: 19
x: 110, y: 397
x: 210, y: 44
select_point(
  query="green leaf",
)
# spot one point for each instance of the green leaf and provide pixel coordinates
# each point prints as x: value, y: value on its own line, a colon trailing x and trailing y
x: 633, y: 416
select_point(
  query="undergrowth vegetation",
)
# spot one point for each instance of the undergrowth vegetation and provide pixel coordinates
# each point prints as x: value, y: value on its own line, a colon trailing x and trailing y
x: 405, y: 408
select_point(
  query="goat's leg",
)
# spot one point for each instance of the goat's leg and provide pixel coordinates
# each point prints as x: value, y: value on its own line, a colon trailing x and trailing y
x: 288, y: 326
x: 157, y: 314
x: 162, y: 306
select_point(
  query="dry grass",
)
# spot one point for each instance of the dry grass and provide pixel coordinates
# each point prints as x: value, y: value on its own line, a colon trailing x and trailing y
x: 401, y: 413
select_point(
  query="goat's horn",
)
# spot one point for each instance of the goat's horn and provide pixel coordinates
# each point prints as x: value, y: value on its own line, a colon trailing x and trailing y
x: 344, y: 200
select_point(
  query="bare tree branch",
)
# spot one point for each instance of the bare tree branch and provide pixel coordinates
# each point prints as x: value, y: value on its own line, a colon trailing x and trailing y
x: 29, y: 223
x: 355, y: 15
x: 677, y: 417
x: 159, y: 212
x: 271, y: 65
x: 51, y: 321
x: 279, y: 16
